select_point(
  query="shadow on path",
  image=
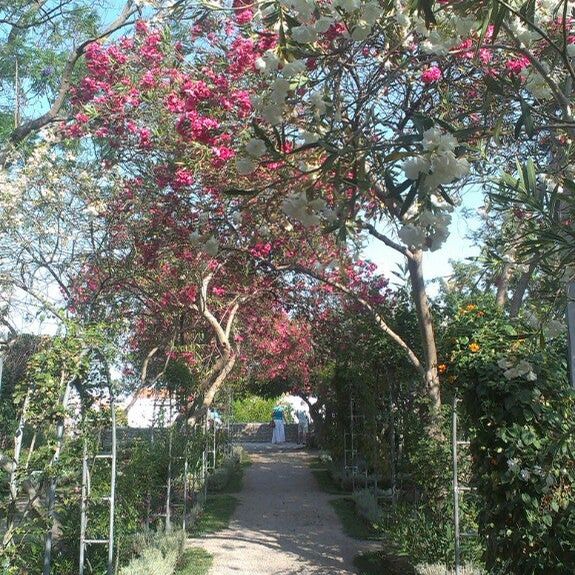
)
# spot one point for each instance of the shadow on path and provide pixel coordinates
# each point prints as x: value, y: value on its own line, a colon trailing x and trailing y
x: 284, y: 524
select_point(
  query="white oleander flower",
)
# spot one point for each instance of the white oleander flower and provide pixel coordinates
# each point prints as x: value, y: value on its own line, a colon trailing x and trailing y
x: 525, y: 34
x: 323, y: 24
x: 304, y: 34
x: 280, y: 89
x: 436, y: 140
x: 211, y: 247
x: 294, y: 68
x: 437, y: 44
x: 361, y: 32
x: 317, y: 101
x: 438, y: 238
x: 412, y: 235
x: 272, y: 114
x: 445, y: 169
x: 402, y: 19
x: 303, y: 8
x: 536, y: 84
x: 347, y: 5
x: 415, y: 166
x: 245, y: 166
x: 465, y: 25
x: 309, y: 137
x: 371, y: 13
x: 256, y: 147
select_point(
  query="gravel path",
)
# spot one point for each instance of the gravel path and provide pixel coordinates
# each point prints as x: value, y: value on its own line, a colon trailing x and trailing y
x: 284, y: 524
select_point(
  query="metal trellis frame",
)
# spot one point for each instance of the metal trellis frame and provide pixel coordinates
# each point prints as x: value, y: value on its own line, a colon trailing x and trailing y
x: 458, y: 487
x: 110, y: 498
x: 350, y: 451
x: 47, y: 561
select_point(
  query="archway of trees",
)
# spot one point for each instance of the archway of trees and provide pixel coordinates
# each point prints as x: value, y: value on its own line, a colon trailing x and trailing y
x: 187, y: 191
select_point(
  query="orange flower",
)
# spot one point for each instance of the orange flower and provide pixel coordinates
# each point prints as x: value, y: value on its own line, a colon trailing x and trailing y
x: 470, y: 307
x: 473, y: 347
x: 442, y: 368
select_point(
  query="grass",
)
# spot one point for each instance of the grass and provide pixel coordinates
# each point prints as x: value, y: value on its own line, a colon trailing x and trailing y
x: 378, y: 562
x: 219, y: 507
x: 353, y: 524
x: 235, y: 483
x: 216, y: 515
x: 194, y: 561
x: 324, y: 478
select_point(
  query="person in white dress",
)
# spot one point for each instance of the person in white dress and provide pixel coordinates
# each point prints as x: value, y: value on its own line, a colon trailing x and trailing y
x: 278, y: 421
x: 302, y: 424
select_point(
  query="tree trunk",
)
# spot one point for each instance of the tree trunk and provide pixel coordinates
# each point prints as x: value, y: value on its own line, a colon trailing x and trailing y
x: 521, y: 288
x: 199, y: 407
x: 425, y: 321
x: 502, y: 284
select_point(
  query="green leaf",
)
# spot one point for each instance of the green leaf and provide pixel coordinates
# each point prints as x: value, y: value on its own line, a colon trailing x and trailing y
x: 527, y: 118
x: 484, y: 26
x: 499, y: 15
x: 410, y: 198
x: 528, y: 10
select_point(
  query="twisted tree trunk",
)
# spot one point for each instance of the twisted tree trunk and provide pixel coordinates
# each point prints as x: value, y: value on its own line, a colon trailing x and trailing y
x: 425, y: 321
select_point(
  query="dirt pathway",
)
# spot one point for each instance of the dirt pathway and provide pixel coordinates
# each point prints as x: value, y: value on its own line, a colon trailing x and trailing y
x: 284, y: 524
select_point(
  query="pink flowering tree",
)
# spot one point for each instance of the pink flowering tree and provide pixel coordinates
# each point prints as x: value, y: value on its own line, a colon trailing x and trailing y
x: 384, y: 113
x: 150, y: 115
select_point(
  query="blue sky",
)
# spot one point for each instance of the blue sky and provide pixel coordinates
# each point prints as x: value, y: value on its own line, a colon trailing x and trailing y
x: 436, y: 264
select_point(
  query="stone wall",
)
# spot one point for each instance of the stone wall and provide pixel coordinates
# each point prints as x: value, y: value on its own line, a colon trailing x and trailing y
x: 241, y: 432
x: 260, y: 432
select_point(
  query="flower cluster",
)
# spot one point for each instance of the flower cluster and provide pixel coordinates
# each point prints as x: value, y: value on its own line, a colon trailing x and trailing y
x: 307, y: 212
x: 514, y: 370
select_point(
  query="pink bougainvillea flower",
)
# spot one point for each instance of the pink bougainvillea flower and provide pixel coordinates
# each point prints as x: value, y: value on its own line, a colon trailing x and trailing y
x: 515, y: 65
x: 431, y: 75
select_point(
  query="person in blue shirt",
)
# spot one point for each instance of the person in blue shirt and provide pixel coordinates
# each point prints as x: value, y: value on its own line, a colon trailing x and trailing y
x: 214, y: 418
x: 278, y: 421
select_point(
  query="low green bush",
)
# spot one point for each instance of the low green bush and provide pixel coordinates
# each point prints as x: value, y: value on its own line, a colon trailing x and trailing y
x: 157, y: 553
x: 253, y: 408
x: 367, y: 506
x: 222, y: 475
x: 436, y: 569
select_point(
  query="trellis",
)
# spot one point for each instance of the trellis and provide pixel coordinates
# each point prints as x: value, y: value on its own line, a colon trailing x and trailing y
x: 111, y: 456
x: 351, y: 452
x: 459, y: 488
x: 197, y: 464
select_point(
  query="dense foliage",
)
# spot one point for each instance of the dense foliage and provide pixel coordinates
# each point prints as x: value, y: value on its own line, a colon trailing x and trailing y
x: 522, y: 413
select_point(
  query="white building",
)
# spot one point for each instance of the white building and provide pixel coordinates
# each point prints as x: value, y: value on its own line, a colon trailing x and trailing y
x: 150, y: 407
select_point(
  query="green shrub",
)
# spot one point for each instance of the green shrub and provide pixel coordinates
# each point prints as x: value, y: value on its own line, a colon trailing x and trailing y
x: 436, y: 569
x: 220, y: 478
x: 367, y: 506
x: 522, y: 410
x: 254, y: 408
x: 157, y: 554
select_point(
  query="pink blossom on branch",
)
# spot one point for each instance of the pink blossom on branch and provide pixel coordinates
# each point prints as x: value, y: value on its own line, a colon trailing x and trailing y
x: 431, y: 75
